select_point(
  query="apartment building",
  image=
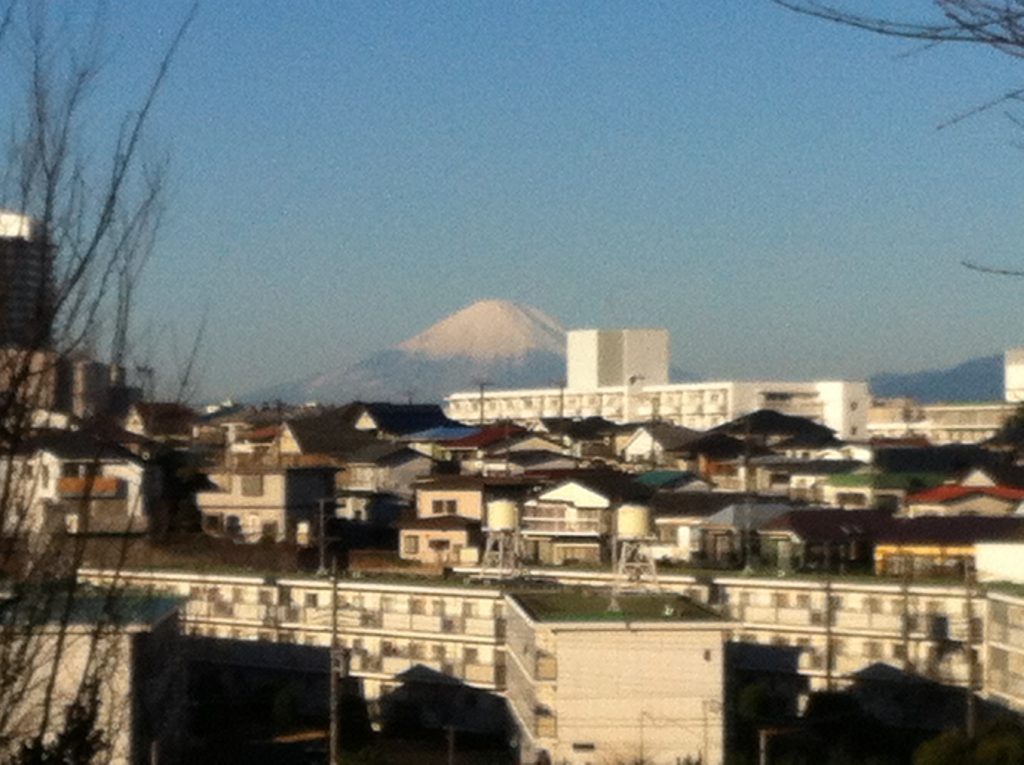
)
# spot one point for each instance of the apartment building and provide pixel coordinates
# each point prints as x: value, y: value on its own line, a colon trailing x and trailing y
x: 141, y: 696
x: 822, y: 631
x: 457, y: 629
x: 643, y: 683
x: 622, y: 376
x: 1003, y: 656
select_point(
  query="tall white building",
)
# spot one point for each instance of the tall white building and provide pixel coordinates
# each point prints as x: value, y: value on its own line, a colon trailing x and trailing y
x: 1013, y: 369
x: 622, y: 375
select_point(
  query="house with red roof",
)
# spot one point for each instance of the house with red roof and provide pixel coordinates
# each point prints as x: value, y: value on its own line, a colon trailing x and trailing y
x: 982, y: 491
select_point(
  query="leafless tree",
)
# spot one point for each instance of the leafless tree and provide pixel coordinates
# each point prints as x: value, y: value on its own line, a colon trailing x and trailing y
x: 997, y: 24
x: 96, y: 208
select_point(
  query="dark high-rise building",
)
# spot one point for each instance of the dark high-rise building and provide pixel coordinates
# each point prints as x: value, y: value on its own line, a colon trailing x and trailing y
x: 26, y: 283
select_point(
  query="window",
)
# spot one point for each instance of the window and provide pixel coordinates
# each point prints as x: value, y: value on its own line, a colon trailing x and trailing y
x: 438, y: 651
x: 417, y: 606
x: 312, y: 601
x: 44, y: 476
x: 252, y: 485
x: 781, y: 599
x: 471, y: 655
x: 411, y: 544
x: 872, y: 605
x: 269, y: 531
x: 803, y: 601
x: 444, y: 507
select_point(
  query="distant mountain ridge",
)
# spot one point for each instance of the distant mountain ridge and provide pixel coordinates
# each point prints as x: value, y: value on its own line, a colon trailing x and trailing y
x: 499, y: 342
x: 979, y: 379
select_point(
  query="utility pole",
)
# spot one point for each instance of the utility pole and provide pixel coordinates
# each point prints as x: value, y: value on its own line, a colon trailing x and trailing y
x: 450, y: 731
x: 830, y: 655
x: 481, y: 384
x: 339, y: 668
x: 971, y: 711
x: 906, y: 560
x: 334, y: 750
x: 322, y: 569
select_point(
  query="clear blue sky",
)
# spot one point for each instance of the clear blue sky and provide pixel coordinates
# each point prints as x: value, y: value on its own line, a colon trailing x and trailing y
x: 770, y: 188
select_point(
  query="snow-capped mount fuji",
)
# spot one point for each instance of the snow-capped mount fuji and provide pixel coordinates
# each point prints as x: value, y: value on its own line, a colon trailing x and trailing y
x: 489, y: 330
x: 506, y: 344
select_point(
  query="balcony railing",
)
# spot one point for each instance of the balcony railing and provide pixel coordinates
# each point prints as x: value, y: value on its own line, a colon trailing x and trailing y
x: 556, y: 525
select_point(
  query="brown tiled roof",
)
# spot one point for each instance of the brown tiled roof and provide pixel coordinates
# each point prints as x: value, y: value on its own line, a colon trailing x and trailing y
x: 166, y: 418
x: 952, y: 530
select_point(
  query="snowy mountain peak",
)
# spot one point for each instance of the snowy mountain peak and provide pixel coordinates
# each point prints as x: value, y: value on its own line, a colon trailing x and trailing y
x: 488, y: 330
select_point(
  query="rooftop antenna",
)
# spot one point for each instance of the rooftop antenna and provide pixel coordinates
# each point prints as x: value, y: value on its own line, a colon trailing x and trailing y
x: 481, y: 384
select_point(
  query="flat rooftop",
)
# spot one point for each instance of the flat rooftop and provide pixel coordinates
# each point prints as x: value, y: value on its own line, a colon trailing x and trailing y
x: 595, y: 606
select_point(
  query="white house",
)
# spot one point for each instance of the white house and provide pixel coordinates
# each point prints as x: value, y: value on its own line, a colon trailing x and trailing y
x: 72, y: 481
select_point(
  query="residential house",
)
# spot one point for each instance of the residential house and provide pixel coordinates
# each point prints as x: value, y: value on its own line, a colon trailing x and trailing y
x: 871, y: 488
x: 939, y: 545
x: 496, y: 456
x: 572, y: 521
x: 524, y: 461
x: 981, y: 491
x: 165, y: 421
x: 397, y: 420
x: 822, y: 539
x: 73, y: 481
x: 674, y: 481
x: 326, y: 437
x: 451, y: 511
x: 257, y: 503
x: 677, y: 518
x: 807, y: 479
x: 378, y: 482
x: 657, y: 443
x: 589, y: 437
x: 729, y: 536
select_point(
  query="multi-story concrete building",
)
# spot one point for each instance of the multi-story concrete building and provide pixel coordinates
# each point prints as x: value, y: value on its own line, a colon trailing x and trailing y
x: 554, y: 667
x: 622, y: 375
x: 389, y: 627
x: 643, y: 683
x: 25, y: 282
x: 1013, y: 375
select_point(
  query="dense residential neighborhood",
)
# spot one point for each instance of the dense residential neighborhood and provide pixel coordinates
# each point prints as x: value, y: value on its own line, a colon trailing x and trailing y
x: 620, y: 548
x: 757, y: 497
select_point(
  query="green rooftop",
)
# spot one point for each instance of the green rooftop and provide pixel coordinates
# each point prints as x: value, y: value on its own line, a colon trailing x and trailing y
x: 595, y: 606
x: 905, y: 481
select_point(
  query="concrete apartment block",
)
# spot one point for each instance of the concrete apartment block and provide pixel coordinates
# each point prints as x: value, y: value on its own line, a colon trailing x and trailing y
x: 590, y: 685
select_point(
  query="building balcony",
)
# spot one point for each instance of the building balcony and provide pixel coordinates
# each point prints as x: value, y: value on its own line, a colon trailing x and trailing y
x: 91, y: 487
x: 395, y: 665
x: 559, y: 526
x: 545, y: 668
x: 544, y: 725
x: 483, y: 674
